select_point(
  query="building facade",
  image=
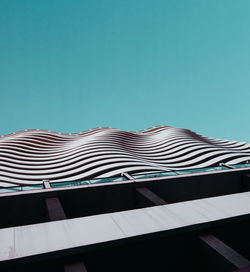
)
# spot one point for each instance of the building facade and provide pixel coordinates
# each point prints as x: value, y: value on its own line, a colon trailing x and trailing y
x: 163, y: 199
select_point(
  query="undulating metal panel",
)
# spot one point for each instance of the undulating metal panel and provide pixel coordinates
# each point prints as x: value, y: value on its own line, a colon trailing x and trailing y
x: 30, y: 156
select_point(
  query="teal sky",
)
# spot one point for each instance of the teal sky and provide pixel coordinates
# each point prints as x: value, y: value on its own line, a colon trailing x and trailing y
x: 68, y: 66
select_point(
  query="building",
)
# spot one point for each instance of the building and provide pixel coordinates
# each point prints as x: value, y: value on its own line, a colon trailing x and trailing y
x: 163, y: 199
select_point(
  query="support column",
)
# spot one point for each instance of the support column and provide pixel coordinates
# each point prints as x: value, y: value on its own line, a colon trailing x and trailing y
x: 127, y: 176
x: 46, y: 184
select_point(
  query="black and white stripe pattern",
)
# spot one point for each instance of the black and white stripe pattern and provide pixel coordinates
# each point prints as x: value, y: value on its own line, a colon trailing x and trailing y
x: 30, y: 156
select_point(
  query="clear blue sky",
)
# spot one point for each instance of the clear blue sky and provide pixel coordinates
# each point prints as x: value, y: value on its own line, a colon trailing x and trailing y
x: 68, y: 66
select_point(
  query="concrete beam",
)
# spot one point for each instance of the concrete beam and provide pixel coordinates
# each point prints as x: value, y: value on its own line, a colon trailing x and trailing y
x: 67, y: 236
x: 151, y: 196
x: 55, y: 212
x: 226, y: 253
x: 54, y: 209
x: 75, y: 267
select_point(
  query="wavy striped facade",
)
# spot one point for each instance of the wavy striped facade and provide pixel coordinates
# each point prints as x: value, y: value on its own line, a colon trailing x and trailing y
x: 30, y: 156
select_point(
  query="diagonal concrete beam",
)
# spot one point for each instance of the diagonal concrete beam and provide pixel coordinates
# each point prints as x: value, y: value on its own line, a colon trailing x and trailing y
x: 54, y: 209
x: 151, y: 196
x: 75, y: 267
x: 226, y: 252
x: 55, y: 212
x: 233, y: 257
